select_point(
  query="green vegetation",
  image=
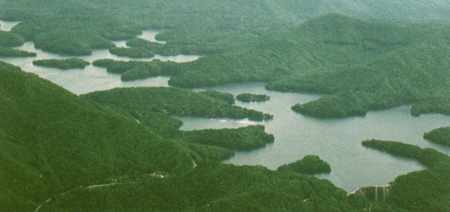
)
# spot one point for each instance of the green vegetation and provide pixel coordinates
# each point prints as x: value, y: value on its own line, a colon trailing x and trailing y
x: 209, y: 154
x: 242, y: 139
x: 332, y: 107
x: 121, y: 149
x: 395, y: 74
x: 131, y: 52
x: 9, y: 52
x: 226, y: 97
x: 61, y: 152
x: 310, y: 164
x: 426, y: 190
x: 8, y: 39
x: 64, y: 64
x: 439, y: 136
x: 79, y: 26
x: 248, y: 97
x: 440, y: 105
x: 172, y: 101
x: 134, y: 70
x: 212, y: 187
x: 52, y: 141
x: 237, y: 47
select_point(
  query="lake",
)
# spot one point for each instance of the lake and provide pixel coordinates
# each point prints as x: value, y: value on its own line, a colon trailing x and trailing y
x: 91, y: 78
x: 336, y: 141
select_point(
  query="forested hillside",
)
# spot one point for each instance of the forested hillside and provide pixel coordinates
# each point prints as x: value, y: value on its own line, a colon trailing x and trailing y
x: 52, y: 27
x: 123, y: 150
x: 52, y: 141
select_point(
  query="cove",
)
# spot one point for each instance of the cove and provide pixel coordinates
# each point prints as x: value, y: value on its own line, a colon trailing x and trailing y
x: 7, y: 25
x: 91, y: 78
x: 336, y: 141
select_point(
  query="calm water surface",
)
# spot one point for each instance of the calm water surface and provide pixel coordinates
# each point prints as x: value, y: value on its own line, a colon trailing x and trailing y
x: 336, y: 141
x: 7, y: 25
x: 91, y: 78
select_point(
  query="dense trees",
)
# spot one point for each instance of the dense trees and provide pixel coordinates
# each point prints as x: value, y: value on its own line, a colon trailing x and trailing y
x: 172, y: 101
x: 426, y: 190
x: 439, y: 136
x: 243, y: 139
x: 10, y: 52
x: 437, y: 105
x: 133, y: 70
x: 131, y: 52
x: 58, y: 145
x: 79, y: 26
x: 63, y: 64
x: 9, y: 39
x: 310, y: 164
x: 52, y: 141
x: 248, y: 97
x: 213, y: 187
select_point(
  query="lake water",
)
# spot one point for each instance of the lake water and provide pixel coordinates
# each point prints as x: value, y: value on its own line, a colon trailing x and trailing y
x: 150, y: 35
x: 91, y: 78
x: 336, y: 141
x: 7, y: 25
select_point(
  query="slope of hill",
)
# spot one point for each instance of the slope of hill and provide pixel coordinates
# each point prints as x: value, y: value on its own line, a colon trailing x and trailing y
x: 229, y: 24
x: 439, y: 136
x: 56, y: 146
x: 173, y: 101
x: 52, y: 141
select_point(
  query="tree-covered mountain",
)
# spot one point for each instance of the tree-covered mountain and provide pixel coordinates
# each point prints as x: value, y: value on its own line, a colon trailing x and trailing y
x: 56, y: 146
x: 361, y: 65
x: 197, y: 26
x: 52, y: 141
x: 122, y: 150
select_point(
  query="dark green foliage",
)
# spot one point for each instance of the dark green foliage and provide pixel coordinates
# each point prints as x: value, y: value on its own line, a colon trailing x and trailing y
x: 67, y: 42
x: 248, y: 97
x: 115, y: 67
x: 426, y: 190
x: 172, y: 101
x: 63, y: 64
x: 394, y: 148
x: 158, y: 122
x: 9, y: 52
x: 134, y: 70
x: 310, y: 164
x: 131, y: 52
x: 243, y: 139
x: 226, y: 97
x: 363, y: 66
x: 207, y: 154
x: 439, y: 105
x: 332, y: 107
x: 52, y: 141
x: 439, y: 136
x: 212, y: 187
x: 9, y: 39
x: 396, y: 77
x: 79, y: 26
